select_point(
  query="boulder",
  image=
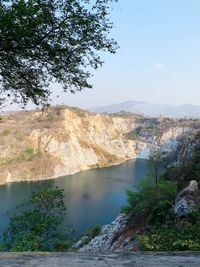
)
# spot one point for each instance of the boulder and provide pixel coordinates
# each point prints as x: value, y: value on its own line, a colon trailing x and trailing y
x: 108, y: 235
x: 82, y: 242
x: 186, y: 199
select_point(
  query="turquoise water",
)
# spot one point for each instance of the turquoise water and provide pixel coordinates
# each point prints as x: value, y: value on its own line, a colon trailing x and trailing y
x: 92, y: 197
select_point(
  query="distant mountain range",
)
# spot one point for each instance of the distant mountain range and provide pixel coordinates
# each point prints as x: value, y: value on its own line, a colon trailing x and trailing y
x: 151, y: 109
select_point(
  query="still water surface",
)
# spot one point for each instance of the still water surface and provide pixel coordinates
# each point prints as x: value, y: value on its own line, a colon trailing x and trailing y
x: 92, y: 197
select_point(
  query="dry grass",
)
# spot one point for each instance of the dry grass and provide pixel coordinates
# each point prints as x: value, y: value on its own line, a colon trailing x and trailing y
x: 105, y: 157
x: 37, y: 168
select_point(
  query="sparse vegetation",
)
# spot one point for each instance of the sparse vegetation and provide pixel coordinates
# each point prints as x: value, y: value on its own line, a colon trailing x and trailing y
x: 132, y: 135
x: 29, y: 151
x: 105, y: 158
x: 5, y: 132
x: 52, y: 116
x: 27, y: 154
x: 124, y: 114
x: 20, y: 136
x: 91, y: 232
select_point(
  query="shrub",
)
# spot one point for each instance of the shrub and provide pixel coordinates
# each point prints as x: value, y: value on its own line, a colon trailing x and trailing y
x: 29, y: 151
x: 162, y: 214
x: 173, y: 238
x: 142, y: 202
x: 194, y: 215
x: 91, y: 232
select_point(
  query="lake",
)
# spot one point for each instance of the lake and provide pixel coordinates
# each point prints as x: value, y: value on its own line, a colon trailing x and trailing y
x: 92, y: 197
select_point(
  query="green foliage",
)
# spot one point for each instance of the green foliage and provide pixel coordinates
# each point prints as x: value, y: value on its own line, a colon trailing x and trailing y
x: 175, y: 238
x: 194, y: 215
x: 92, y: 232
x: 37, y: 225
x: 169, y: 233
x: 156, y: 158
x: 151, y: 208
x: 162, y: 214
x: 142, y: 203
x: 29, y: 150
x: 44, y: 41
x: 183, y: 172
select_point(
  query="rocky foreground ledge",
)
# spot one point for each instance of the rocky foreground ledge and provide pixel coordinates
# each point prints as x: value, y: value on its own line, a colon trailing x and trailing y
x: 100, y: 260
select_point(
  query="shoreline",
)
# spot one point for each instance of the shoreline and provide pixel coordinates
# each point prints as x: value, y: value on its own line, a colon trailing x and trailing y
x: 70, y: 174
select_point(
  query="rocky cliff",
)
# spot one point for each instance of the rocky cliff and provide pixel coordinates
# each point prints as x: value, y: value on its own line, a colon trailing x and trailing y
x: 60, y: 141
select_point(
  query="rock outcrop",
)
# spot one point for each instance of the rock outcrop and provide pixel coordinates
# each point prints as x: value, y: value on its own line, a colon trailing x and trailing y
x: 109, y: 234
x: 186, y: 199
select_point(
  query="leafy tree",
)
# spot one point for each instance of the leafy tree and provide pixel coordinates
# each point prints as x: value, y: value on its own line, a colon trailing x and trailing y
x: 162, y: 214
x: 37, y: 225
x: 47, y: 41
x: 142, y: 203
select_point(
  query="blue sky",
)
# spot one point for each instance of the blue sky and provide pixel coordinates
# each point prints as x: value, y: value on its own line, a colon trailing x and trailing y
x: 159, y: 56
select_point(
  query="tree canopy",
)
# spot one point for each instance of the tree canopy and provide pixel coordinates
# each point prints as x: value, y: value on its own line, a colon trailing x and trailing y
x: 44, y: 41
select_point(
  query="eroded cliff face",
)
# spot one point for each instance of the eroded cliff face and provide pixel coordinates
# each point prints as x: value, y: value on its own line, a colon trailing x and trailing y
x: 38, y: 145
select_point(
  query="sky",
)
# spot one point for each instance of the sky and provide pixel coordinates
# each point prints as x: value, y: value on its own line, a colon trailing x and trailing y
x: 158, y: 60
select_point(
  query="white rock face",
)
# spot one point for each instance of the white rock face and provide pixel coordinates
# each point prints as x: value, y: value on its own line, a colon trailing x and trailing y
x: 185, y: 201
x: 69, y: 140
x: 168, y: 141
x: 104, y: 241
x: 92, y: 141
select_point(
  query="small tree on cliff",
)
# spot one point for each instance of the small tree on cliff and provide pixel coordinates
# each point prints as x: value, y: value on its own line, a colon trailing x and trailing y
x: 156, y: 158
x: 50, y: 40
x: 37, y: 225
